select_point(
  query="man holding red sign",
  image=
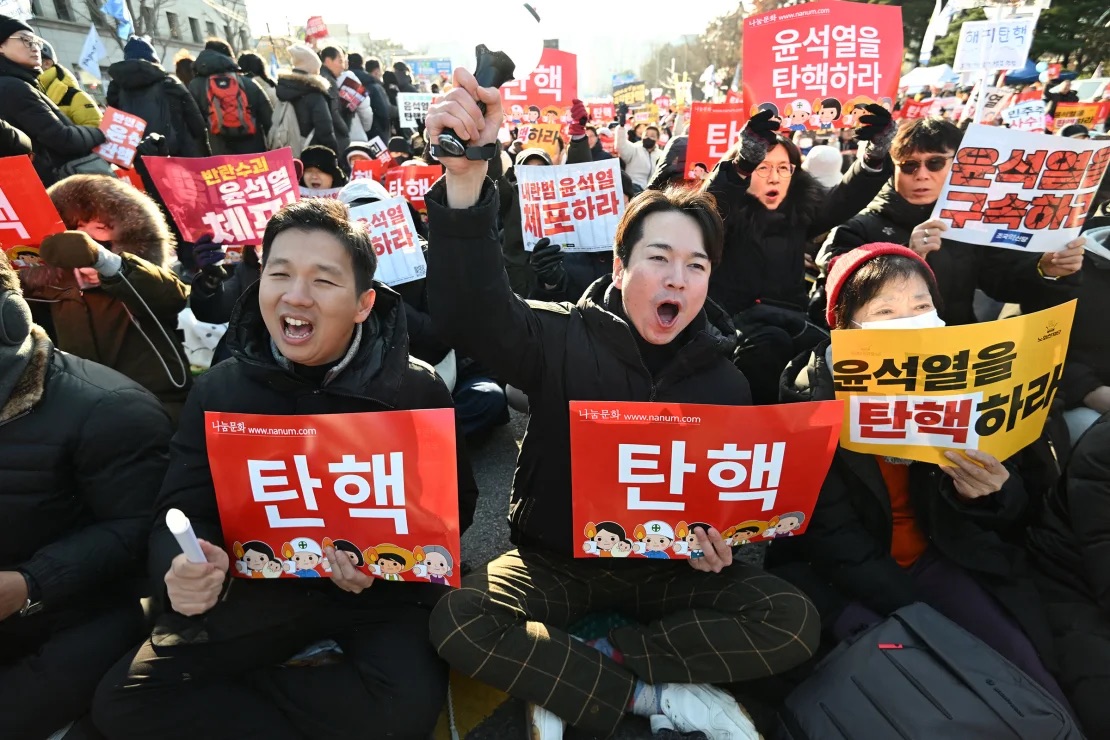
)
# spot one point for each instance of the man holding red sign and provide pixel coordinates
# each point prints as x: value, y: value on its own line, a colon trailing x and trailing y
x: 645, y: 333
x: 313, y: 338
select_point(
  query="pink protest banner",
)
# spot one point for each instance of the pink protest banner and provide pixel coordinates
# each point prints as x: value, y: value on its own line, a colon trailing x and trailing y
x: 819, y: 58
x: 123, y: 133
x: 544, y: 97
x: 231, y: 197
x: 27, y: 214
x: 412, y: 182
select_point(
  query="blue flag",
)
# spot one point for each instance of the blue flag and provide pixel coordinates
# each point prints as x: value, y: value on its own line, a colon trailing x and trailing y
x: 273, y: 66
x: 118, y: 10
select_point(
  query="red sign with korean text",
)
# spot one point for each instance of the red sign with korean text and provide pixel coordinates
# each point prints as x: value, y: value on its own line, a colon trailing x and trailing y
x: 714, y: 128
x: 1029, y: 94
x: 411, y: 182
x: 27, y: 214
x: 315, y: 28
x: 123, y: 133
x: 602, y: 111
x: 915, y: 108
x: 544, y: 97
x: 644, y: 475
x: 231, y: 197
x: 370, y: 169
x: 816, y: 61
x: 380, y: 487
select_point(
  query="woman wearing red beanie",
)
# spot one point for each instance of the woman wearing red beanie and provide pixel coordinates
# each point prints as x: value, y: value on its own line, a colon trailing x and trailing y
x: 887, y: 532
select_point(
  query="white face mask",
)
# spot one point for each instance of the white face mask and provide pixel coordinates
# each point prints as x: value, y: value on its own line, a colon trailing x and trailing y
x: 928, y: 320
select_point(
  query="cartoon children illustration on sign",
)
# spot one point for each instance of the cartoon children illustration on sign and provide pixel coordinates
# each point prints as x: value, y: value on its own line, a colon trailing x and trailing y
x: 653, y: 539
x: 255, y: 559
x: 346, y: 547
x: 302, y: 556
x: 768, y: 106
x: 390, y: 561
x: 798, y: 114
x: 606, y: 540
x: 687, y: 543
x: 437, y: 565
x: 785, y: 525
x: 744, y: 532
x: 533, y: 114
x: 828, y: 113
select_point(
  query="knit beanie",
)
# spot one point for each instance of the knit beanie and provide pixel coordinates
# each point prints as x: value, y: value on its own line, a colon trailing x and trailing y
x: 140, y: 48
x: 844, y: 266
x: 304, y: 59
x: 10, y: 26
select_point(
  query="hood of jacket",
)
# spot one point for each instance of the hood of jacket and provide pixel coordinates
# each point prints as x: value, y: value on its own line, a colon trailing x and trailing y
x: 57, y: 73
x: 896, y: 209
x: 710, y: 336
x: 294, y: 85
x: 136, y: 73
x: 373, y: 371
x: 808, y: 377
x: 213, y: 62
x: 138, y: 225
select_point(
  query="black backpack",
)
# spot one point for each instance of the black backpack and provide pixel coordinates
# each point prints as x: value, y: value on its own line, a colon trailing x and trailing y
x: 152, y: 104
x: 919, y: 676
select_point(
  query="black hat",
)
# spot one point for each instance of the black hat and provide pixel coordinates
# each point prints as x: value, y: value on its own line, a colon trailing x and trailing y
x: 400, y: 145
x: 324, y: 159
x: 10, y: 26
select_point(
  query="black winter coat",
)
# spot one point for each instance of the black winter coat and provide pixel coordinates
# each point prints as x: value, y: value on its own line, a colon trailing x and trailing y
x: 341, y: 121
x: 185, y: 128
x: 764, y: 257
x: 1003, y: 274
x: 848, y: 542
x: 556, y: 353
x: 379, y: 103
x: 210, y: 63
x: 84, y: 455
x: 56, y: 139
x: 13, y: 142
x: 309, y: 96
x: 380, y: 377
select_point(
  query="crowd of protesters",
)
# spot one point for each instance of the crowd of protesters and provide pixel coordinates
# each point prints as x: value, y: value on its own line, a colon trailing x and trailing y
x: 720, y: 291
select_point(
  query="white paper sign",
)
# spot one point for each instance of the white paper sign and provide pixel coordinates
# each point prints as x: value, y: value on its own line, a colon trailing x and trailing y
x: 575, y: 205
x: 413, y: 108
x: 994, y: 45
x: 393, y: 234
x: 1027, y: 116
x: 1019, y: 190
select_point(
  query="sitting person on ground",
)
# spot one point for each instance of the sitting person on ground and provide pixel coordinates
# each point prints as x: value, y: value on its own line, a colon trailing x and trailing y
x: 772, y: 208
x: 1070, y: 548
x: 84, y: 456
x: 645, y: 332
x: 104, y: 292
x: 923, y: 151
x: 887, y: 532
x: 315, y: 335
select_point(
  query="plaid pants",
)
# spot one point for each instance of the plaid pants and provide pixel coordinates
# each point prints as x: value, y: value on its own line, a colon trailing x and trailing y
x: 506, y: 627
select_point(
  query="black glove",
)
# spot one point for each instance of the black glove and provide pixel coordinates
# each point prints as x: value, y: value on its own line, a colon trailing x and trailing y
x: 547, y: 262
x: 153, y: 145
x: 878, y: 128
x: 622, y: 113
x: 757, y: 138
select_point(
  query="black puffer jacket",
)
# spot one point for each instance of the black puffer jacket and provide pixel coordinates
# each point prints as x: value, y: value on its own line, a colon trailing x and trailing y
x: 56, y: 139
x: 557, y: 352
x: 210, y: 63
x: 137, y: 86
x: 84, y: 455
x: 848, y: 542
x: 309, y: 96
x: 764, y: 257
x: 380, y: 377
x: 1002, y: 274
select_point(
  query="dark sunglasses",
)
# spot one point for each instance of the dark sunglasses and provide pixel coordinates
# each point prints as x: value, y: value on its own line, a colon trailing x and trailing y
x: 934, y: 164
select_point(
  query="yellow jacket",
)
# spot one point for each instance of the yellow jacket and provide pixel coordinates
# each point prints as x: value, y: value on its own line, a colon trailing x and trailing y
x: 78, y: 106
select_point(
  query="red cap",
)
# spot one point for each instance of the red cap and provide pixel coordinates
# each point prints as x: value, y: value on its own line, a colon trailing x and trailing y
x: 844, y: 266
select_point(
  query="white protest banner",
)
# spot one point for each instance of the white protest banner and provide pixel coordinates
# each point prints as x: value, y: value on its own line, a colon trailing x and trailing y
x: 393, y: 234
x: 1020, y: 190
x: 1027, y: 116
x: 413, y: 108
x: 992, y: 100
x: 18, y: 9
x: 332, y: 193
x: 91, y: 53
x: 575, y: 205
x: 994, y: 45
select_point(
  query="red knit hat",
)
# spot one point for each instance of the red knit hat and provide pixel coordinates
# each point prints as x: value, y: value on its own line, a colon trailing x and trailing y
x: 844, y: 266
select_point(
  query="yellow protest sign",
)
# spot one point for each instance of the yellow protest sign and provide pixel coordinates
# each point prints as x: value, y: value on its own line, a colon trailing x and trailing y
x: 1085, y: 114
x: 542, y: 136
x: 916, y: 393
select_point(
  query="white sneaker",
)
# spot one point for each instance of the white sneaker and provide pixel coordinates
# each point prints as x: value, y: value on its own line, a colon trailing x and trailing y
x: 543, y: 725
x: 693, y: 706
